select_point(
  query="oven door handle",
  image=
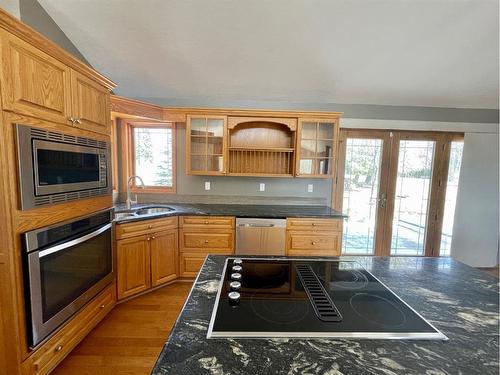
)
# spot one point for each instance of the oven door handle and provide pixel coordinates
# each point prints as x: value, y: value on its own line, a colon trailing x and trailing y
x: 76, y: 241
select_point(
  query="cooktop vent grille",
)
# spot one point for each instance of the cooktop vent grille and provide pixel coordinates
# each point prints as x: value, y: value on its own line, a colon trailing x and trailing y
x: 323, y: 305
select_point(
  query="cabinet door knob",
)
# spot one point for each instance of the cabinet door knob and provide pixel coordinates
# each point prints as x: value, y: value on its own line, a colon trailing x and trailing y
x: 150, y: 226
x: 72, y: 120
x: 78, y: 121
x: 102, y: 306
x: 153, y: 237
x: 206, y: 222
x: 149, y: 239
x: 206, y: 241
x: 58, y: 348
x: 313, y: 243
x: 313, y: 224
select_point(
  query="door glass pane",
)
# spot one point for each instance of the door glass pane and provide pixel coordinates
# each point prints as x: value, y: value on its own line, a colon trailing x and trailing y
x: 198, y: 163
x: 63, y: 167
x: 412, y: 197
x: 215, y: 163
x: 361, y: 185
x: 214, y: 146
x: 198, y: 145
x: 306, y: 166
x: 324, y: 149
x: 451, y: 196
x: 325, y: 130
x: 198, y: 126
x: 324, y: 166
x: 309, y: 130
x: 307, y: 149
x: 67, y: 274
x: 215, y: 127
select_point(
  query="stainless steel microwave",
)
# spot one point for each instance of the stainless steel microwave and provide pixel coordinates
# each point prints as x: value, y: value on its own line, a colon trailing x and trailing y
x: 56, y: 167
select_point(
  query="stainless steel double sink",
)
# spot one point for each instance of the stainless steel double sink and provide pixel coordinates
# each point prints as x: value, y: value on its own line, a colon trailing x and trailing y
x: 143, y: 211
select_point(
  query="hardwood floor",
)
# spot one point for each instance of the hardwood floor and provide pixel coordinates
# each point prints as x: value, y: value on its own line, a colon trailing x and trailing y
x: 493, y: 271
x: 129, y: 340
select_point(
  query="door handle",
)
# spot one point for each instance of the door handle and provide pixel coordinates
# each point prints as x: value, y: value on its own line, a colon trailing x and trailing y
x: 381, y: 201
x: 74, y: 242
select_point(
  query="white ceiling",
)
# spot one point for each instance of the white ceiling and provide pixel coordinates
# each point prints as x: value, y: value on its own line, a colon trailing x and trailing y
x: 436, y: 53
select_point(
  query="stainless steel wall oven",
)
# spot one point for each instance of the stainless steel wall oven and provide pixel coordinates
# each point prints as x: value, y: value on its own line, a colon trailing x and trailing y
x: 65, y: 266
x: 56, y: 167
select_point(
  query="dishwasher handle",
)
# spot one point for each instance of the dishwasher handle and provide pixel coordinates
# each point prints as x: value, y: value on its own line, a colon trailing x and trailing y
x: 257, y: 225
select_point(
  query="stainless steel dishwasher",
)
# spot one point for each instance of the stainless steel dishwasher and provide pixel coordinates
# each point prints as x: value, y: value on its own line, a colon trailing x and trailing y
x: 260, y: 236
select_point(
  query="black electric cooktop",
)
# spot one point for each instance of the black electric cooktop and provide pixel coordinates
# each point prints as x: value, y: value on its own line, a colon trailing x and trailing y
x: 310, y: 298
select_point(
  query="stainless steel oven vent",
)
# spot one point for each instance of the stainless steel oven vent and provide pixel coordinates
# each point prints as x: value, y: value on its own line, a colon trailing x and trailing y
x: 54, y: 136
x: 66, y: 197
x: 320, y: 300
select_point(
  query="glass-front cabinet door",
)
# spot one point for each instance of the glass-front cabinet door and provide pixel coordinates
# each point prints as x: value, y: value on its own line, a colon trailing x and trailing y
x: 206, y: 145
x: 316, y: 147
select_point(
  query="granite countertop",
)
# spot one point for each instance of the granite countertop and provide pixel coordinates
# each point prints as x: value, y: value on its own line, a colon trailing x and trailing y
x: 460, y: 301
x: 238, y: 210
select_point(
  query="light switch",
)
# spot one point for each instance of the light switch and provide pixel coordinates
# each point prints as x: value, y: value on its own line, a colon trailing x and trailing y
x: 207, y: 185
x: 262, y: 186
x: 310, y: 188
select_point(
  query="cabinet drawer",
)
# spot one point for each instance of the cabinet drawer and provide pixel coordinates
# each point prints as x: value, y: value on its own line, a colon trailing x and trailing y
x: 213, y: 241
x: 313, y: 244
x: 137, y: 228
x: 309, y: 224
x: 206, y: 221
x: 52, y: 352
x: 190, y: 264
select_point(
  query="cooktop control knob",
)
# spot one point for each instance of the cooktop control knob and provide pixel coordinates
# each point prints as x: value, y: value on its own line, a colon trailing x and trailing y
x: 235, y: 285
x: 237, y: 262
x: 237, y: 268
x: 234, y: 298
x: 236, y: 276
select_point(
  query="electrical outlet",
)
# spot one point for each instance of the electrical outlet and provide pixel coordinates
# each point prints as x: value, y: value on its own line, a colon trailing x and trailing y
x: 310, y: 188
x: 262, y: 186
x: 207, y: 185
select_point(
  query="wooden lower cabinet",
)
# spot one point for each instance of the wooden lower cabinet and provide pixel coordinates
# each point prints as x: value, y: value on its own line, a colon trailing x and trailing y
x: 314, y: 237
x: 190, y: 263
x: 164, y: 254
x: 133, y: 265
x: 147, y: 255
x: 200, y: 236
x: 55, y: 349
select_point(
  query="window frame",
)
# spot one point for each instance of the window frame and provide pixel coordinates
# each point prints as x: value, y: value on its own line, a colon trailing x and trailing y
x: 129, y: 167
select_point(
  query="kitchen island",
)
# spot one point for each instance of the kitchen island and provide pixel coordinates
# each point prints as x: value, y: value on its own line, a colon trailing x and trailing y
x: 458, y: 300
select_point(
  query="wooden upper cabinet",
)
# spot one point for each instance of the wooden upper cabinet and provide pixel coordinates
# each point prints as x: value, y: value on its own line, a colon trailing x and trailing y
x: 34, y: 83
x: 90, y: 104
x: 316, y: 147
x: 206, y: 145
x: 164, y: 257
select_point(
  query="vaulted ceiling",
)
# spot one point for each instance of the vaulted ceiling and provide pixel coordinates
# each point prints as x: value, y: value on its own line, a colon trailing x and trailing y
x: 436, y: 53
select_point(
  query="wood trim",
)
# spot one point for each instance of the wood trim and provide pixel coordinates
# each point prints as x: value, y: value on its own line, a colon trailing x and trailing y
x: 252, y: 112
x: 233, y: 121
x: 31, y: 36
x: 114, y: 153
x: 435, y: 213
x: 131, y: 107
x: 43, y: 216
x: 126, y: 107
